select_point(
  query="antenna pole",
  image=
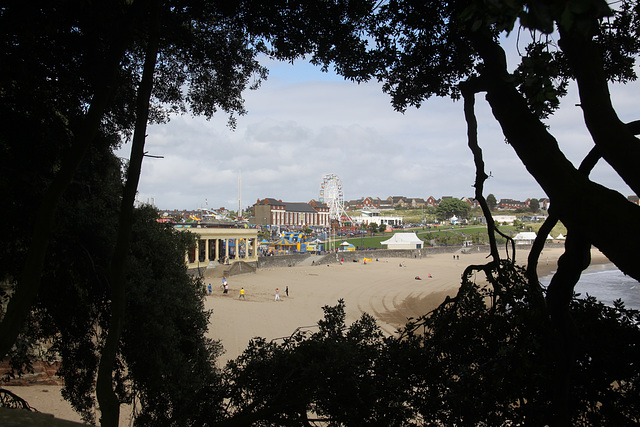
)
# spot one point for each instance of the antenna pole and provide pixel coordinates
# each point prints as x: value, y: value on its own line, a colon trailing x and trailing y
x: 240, y: 194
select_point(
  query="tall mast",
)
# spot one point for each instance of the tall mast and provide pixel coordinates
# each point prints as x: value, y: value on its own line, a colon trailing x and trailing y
x: 240, y: 194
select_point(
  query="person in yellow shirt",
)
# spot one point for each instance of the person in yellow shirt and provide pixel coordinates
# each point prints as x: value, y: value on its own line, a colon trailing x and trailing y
x: 241, y: 294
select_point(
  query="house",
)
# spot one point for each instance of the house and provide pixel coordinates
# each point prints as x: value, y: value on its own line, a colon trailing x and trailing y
x: 364, y: 202
x: 471, y: 201
x: 544, y: 204
x: 385, y: 205
x: 417, y: 203
x: 398, y: 201
x: 432, y: 201
x: 403, y: 241
x: 511, y: 204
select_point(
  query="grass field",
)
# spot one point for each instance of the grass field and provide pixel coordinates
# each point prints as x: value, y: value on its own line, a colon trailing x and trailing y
x: 446, y: 234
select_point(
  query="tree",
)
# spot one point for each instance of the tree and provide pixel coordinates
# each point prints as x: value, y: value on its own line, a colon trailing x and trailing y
x: 453, y: 49
x: 534, y: 205
x: 456, y: 49
x: 465, y: 363
x: 450, y: 207
x: 337, y: 373
x: 103, y: 70
x: 164, y: 304
x: 382, y: 227
x: 491, y: 201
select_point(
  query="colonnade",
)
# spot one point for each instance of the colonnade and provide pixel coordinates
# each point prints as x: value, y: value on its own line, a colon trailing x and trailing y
x: 222, y: 245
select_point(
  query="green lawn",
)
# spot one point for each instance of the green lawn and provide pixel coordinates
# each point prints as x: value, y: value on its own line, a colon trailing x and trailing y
x: 448, y: 234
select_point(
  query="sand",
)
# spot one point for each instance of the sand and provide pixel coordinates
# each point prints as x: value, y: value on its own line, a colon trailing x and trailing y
x: 382, y: 288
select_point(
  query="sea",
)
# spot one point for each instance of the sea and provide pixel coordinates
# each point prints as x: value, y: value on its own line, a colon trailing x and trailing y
x: 606, y: 283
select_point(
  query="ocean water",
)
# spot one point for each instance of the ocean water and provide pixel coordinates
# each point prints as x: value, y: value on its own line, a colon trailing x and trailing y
x: 606, y: 283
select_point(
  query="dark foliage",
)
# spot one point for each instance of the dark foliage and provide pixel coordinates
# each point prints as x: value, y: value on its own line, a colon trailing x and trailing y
x: 469, y: 362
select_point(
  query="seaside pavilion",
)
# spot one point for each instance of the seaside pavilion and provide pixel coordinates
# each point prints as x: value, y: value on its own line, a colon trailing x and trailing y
x: 222, y: 245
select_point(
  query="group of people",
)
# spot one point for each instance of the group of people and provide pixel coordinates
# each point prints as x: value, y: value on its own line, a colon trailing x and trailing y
x: 225, y: 290
x: 286, y: 292
x: 224, y: 286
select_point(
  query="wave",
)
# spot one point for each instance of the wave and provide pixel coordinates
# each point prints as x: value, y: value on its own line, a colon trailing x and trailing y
x: 607, y: 284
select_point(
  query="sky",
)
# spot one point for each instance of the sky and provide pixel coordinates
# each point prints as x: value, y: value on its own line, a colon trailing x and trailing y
x: 303, y: 124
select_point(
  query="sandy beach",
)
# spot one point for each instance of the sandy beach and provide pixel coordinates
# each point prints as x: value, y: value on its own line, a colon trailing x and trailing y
x: 386, y: 288
x: 383, y: 288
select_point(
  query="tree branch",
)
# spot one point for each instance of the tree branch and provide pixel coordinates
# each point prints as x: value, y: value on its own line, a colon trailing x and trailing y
x: 615, y: 139
x: 634, y: 127
x: 587, y: 165
x: 568, y: 188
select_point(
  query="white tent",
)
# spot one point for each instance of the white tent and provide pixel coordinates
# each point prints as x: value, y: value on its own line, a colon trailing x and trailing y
x: 525, y: 238
x: 403, y: 241
x: 346, y: 246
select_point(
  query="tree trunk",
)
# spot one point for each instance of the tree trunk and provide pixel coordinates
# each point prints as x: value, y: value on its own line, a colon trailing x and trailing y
x: 107, y: 399
x: 582, y: 205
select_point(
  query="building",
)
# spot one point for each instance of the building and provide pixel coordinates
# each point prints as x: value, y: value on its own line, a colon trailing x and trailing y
x: 398, y: 201
x: 499, y: 219
x: 221, y: 244
x: 432, y: 201
x: 471, y: 201
x: 373, y: 216
x: 364, y: 203
x: 276, y: 212
x: 511, y: 204
x: 417, y: 202
x: 544, y: 204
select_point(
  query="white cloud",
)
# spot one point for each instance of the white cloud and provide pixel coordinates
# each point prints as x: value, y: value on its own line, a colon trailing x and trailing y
x: 301, y: 126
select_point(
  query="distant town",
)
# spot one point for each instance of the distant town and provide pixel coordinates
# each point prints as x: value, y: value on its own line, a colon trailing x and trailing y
x: 270, y: 211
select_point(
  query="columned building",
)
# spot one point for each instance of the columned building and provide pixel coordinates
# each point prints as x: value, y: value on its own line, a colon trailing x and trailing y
x: 276, y: 212
x: 222, y: 245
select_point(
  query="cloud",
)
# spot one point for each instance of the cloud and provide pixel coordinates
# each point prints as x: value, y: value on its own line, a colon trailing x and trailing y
x: 304, y: 124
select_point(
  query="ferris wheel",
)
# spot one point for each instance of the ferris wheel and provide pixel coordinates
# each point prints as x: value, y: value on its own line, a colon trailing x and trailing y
x: 331, y: 194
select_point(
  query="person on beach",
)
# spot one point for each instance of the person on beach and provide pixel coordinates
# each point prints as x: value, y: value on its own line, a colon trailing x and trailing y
x: 226, y: 288
x: 286, y: 291
x: 277, y: 294
x: 209, y: 288
x: 241, y: 294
